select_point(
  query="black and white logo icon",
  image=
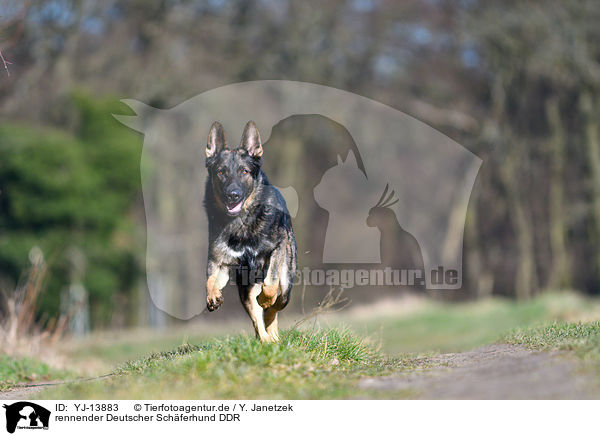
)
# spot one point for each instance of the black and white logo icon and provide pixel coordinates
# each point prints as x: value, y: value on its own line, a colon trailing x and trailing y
x: 26, y: 415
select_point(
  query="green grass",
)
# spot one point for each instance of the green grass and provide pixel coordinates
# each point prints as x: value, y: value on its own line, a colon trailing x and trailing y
x: 581, y: 338
x: 114, y: 352
x: 430, y: 327
x: 323, y: 363
x: 446, y: 328
x: 304, y: 365
x: 15, y: 370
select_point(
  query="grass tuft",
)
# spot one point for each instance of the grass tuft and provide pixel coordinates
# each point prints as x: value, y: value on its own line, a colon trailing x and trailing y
x: 15, y: 370
x: 155, y: 359
x: 581, y: 338
x: 340, y: 344
x: 305, y: 364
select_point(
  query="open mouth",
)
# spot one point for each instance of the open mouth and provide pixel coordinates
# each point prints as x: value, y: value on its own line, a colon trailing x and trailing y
x: 234, y: 209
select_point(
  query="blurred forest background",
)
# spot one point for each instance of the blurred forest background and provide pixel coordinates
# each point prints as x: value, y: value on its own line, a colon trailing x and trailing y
x: 517, y: 83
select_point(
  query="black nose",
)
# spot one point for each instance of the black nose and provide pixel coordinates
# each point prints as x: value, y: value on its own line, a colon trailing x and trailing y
x: 234, y: 195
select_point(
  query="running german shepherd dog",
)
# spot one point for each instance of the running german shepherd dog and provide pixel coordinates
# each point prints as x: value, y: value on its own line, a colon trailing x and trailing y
x: 249, y: 229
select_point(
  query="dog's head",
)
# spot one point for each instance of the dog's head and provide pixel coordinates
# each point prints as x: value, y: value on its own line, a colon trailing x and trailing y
x: 233, y: 172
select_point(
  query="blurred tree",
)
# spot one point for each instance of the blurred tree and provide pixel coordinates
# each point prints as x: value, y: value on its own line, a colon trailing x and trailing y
x: 61, y: 191
x: 517, y: 83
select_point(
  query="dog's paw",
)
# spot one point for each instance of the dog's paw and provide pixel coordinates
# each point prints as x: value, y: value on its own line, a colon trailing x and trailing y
x: 213, y: 303
x: 266, y: 301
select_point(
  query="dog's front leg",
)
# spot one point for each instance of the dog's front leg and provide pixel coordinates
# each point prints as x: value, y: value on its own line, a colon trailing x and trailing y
x: 218, y: 276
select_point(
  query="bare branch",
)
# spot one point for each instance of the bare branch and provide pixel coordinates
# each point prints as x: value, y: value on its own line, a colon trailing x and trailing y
x: 334, y: 301
x: 6, y: 64
x: 20, y: 21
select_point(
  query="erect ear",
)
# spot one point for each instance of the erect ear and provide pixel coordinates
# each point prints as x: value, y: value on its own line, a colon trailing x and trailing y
x: 251, y: 140
x: 143, y: 115
x: 216, y: 139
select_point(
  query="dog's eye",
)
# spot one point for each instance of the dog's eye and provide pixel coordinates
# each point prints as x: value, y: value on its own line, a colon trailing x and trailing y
x: 245, y: 171
x: 220, y: 172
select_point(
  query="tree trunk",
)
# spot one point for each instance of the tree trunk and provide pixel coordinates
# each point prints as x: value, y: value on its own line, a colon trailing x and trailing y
x: 526, y: 276
x: 560, y: 276
x: 478, y: 275
x: 593, y: 150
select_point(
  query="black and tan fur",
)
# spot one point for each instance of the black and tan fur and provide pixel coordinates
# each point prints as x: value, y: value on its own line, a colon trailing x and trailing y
x: 250, y: 231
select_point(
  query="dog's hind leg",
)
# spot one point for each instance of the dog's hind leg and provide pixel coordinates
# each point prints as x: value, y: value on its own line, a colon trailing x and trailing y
x: 270, y: 317
x: 256, y: 312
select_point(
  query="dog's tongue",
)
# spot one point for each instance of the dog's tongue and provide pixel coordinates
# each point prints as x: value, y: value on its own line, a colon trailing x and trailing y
x: 235, y: 209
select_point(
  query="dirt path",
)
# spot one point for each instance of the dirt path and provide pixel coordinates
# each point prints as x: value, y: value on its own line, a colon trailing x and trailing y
x: 496, y: 372
x: 25, y: 392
